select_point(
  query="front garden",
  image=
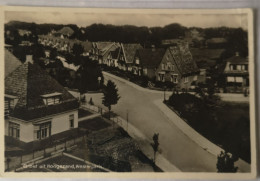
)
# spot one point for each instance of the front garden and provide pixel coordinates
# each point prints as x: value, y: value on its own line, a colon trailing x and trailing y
x: 223, y: 123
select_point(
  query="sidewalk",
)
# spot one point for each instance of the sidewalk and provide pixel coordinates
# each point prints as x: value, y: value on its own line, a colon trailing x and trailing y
x: 195, y: 136
x: 229, y: 97
x: 134, y: 85
x: 146, y: 148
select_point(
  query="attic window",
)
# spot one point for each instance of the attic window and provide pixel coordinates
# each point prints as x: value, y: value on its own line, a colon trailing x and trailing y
x: 10, y: 102
x: 52, y: 98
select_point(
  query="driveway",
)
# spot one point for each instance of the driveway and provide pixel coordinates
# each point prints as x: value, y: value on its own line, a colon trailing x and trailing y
x: 175, y: 146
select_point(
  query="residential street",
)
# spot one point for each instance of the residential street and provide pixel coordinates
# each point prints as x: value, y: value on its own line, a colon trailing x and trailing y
x: 143, y: 114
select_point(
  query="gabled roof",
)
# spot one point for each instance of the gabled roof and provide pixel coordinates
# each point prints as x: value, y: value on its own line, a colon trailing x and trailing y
x: 237, y: 60
x: 183, y: 60
x: 11, y: 62
x: 87, y: 46
x: 150, y: 58
x: 66, y: 31
x: 115, y: 54
x: 129, y: 51
x: 110, y: 48
x: 103, y: 45
x: 29, y: 82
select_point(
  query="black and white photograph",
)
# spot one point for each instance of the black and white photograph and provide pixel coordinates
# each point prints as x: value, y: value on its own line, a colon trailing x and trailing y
x: 137, y: 90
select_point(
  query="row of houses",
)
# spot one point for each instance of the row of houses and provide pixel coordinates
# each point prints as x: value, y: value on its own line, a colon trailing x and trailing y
x: 176, y: 63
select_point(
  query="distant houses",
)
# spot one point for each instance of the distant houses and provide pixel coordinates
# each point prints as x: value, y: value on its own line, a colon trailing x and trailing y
x: 184, y: 61
x: 36, y: 105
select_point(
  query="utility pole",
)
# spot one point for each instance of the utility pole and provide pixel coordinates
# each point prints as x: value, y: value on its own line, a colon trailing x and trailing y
x: 127, y: 120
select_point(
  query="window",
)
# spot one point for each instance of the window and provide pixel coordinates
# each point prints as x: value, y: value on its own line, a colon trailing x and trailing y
x: 174, y: 78
x: 42, y: 130
x: 163, y: 66
x: 161, y: 77
x: 239, y: 67
x: 53, y: 98
x: 71, y: 118
x: 186, y: 79
x: 14, y: 130
x: 169, y: 66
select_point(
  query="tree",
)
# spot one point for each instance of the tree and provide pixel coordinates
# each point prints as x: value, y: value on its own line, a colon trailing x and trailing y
x: 53, y: 54
x: 77, y: 49
x: 226, y: 162
x: 111, y: 96
x: 155, y: 144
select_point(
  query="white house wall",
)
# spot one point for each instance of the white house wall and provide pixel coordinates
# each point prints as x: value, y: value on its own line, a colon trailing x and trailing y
x: 59, y: 123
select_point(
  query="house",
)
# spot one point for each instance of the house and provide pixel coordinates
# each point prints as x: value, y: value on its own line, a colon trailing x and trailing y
x: 65, y: 32
x: 11, y: 62
x: 36, y: 105
x: 185, y: 70
x: 87, y: 46
x: 174, y: 65
x: 98, y: 49
x: 236, y: 74
x: 23, y: 32
x: 206, y: 59
x: 146, y: 61
x: 112, y: 59
x: 101, y: 51
x: 126, y: 55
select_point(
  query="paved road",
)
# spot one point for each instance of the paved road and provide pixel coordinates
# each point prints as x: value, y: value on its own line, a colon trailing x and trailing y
x: 175, y: 146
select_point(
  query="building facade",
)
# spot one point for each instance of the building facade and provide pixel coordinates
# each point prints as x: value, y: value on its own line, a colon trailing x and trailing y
x: 36, y: 106
x: 236, y: 74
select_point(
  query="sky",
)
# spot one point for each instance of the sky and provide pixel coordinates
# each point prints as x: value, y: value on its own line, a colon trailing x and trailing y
x: 150, y: 20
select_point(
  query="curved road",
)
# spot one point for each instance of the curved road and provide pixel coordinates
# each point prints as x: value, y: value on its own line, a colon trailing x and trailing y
x: 175, y: 146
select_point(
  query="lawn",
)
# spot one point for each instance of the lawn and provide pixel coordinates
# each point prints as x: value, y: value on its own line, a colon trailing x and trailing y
x: 83, y: 113
x: 94, y: 124
x: 227, y: 124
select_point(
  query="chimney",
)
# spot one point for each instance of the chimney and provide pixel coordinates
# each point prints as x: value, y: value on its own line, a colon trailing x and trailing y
x: 237, y: 54
x: 29, y: 59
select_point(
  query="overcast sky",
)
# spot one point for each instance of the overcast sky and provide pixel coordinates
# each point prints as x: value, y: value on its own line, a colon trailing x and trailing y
x: 150, y: 20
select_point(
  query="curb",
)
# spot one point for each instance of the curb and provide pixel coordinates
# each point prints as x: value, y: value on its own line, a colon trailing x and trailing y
x: 203, y: 142
x: 133, y: 84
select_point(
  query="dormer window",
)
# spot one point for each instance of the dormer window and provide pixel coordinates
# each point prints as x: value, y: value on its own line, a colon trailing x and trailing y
x: 10, y: 102
x: 52, y: 98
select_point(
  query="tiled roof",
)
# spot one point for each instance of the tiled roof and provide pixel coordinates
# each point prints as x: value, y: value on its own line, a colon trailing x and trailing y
x: 103, y: 45
x: 150, y: 58
x: 11, y: 62
x: 66, y: 31
x: 237, y: 60
x: 87, y: 46
x: 28, y: 82
x: 183, y: 60
x: 129, y: 51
